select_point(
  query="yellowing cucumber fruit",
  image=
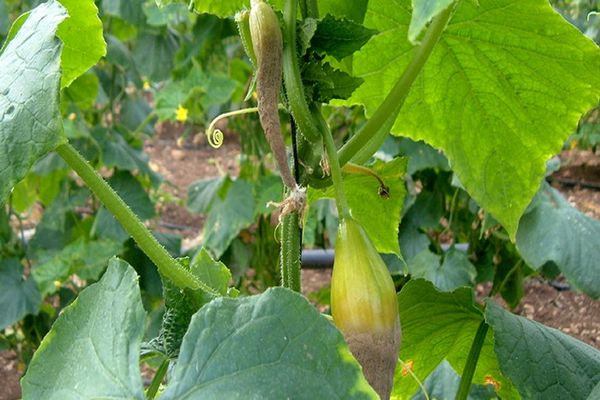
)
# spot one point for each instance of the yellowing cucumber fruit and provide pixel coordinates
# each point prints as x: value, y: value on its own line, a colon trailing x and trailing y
x: 364, y: 305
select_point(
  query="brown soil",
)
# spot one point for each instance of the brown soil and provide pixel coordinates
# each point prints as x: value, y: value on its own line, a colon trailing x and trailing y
x: 579, y: 180
x: 9, y: 376
x: 183, y: 163
x: 573, y: 313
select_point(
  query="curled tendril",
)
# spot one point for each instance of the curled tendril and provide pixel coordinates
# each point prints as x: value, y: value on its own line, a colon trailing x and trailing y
x: 215, y: 135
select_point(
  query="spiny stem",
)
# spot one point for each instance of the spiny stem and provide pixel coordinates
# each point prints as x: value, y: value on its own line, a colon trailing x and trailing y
x: 372, y: 135
x: 166, y: 264
x: 290, y: 251
x: 471, y: 364
x: 291, y: 235
x: 215, y: 136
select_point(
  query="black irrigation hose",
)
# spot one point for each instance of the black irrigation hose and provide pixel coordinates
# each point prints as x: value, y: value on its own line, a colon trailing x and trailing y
x: 317, y: 258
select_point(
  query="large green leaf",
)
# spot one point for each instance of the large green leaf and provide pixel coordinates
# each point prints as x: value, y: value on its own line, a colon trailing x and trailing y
x: 595, y: 393
x: 455, y: 271
x: 116, y: 152
x: 272, y: 346
x: 268, y: 189
x: 128, y: 10
x: 438, y: 326
x: 214, y: 273
x: 30, y: 122
x: 135, y: 113
x: 379, y: 213
x: 443, y: 384
x: 352, y: 9
x: 92, y: 350
x: 18, y: 296
x: 323, y: 82
x: 228, y: 217
x: 154, y: 53
x: 81, y: 34
x: 501, y: 92
x: 198, y: 89
x: 203, y: 193
x: 60, y: 223
x: 553, y: 230
x: 543, y: 362
x: 87, y: 259
x: 163, y: 16
x: 340, y: 37
x: 223, y: 8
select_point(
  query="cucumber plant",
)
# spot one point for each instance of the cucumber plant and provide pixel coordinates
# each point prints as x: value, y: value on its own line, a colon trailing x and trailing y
x: 496, y: 85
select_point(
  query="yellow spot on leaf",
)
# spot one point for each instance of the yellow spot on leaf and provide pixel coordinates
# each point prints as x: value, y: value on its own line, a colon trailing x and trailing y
x: 181, y: 114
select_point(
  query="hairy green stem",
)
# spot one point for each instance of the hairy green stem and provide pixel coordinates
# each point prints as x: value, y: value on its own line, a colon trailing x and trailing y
x: 291, y: 76
x: 157, y: 380
x: 290, y: 251
x: 472, y: 358
x: 166, y: 264
x: 291, y: 234
x: 372, y: 135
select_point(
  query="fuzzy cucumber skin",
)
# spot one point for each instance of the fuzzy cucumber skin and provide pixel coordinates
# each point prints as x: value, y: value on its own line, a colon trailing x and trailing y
x: 290, y: 254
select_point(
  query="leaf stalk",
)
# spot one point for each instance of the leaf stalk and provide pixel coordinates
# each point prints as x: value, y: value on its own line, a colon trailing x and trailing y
x: 167, y: 265
x: 471, y: 364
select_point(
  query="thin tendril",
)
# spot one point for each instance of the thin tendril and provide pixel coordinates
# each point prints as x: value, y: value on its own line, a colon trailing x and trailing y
x: 214, y: 135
